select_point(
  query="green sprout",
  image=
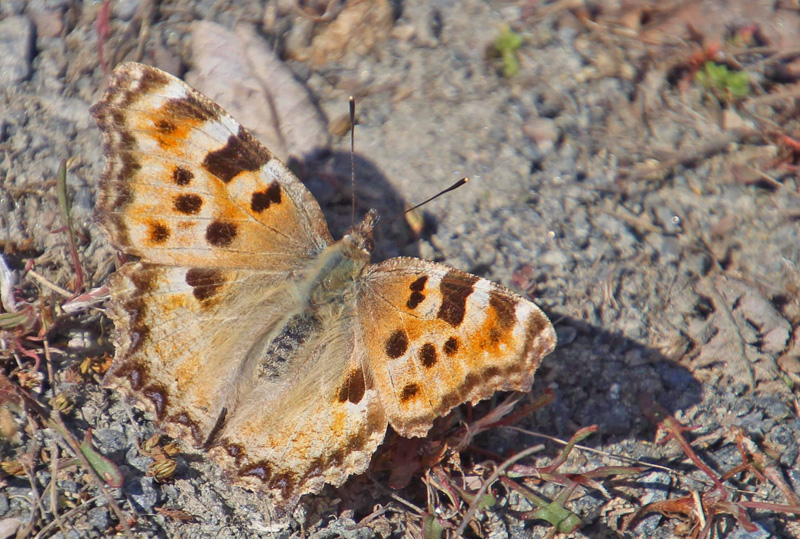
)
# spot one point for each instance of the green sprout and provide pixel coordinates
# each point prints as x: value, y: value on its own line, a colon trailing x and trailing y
x: 506, y: 45
x: 725, y: 84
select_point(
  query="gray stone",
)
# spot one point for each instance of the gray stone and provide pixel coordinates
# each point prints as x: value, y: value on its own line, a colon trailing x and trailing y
x: 668, y: 219
x: 16, y: 50
x: 98, y: 517
x: 12, y: 7
x: 669, y: 248
x: 782, y: 436
x: 143, y: 493
x: 48, y: 16
x: 125, y: 9
x: 69, y: 486
x: 43, y: 476
x: 9, y: 527
x: 345, y: 528
x: 794, y: 478
x: 71, y: 534
x: 110, y: 439
x: 553, y: 258
x: 659, y: 483
x: 741, y: 533
x: 774, y: 407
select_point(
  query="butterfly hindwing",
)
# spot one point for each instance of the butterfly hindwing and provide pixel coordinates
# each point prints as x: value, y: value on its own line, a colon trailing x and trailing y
x: 184, y: 336
x: 317, y: 423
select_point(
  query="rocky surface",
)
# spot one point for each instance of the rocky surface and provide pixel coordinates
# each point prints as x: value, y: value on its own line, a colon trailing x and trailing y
x: 654, y: 218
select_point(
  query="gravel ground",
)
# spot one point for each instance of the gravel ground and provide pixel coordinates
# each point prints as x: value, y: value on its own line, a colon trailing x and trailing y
x: 653, y: 218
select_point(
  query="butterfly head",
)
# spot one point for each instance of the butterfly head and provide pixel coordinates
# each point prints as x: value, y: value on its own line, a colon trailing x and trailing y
x: 357, y: 242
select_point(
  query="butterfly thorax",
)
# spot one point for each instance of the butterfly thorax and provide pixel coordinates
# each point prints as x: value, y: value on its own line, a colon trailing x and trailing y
x: 340, y: 265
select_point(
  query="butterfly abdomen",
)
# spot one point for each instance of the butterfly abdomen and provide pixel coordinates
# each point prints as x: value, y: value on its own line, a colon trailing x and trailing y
x: 287, y: 343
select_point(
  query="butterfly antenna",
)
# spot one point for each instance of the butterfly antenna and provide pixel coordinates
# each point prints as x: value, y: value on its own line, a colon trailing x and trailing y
x: 456, y: 185
x: 352, y: 160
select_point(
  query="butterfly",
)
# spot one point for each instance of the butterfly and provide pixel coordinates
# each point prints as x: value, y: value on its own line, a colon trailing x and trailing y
x: 246, y: 329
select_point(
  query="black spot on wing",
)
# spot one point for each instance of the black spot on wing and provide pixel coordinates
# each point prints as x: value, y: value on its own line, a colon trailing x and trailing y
x: 427, y: 355
x: 261, y: 200
x: 165, y: 126
x: 221, y: 233
x: 353, y: 388
x: 397, y: 344
x: 205, y: 282
x: 150, y: 79
x: 409, y: 392
x: 455, y: 289
x: 183, y: 109
x: 416, y: 297
x: 159, y: 233
x: 241, y: 153
x: 182, y: 176
x: 188, y: 204
x: 451, y: 346
x: 505, y: 309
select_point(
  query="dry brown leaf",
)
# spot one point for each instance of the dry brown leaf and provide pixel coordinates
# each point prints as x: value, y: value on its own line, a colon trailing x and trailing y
x: 745, y: 331
x: 244, y: 76
x: 358, y: 28
x: 789, y: 361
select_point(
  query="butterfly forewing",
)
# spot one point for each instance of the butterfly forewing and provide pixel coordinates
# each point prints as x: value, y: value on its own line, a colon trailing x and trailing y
x: 437, y: 337
x: 185, y: 184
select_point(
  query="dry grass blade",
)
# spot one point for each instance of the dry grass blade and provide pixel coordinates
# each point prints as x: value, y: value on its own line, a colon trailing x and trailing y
x: 66, y: 217
x: 486, y: 484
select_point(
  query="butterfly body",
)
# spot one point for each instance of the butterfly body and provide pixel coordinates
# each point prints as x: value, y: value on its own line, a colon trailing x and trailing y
x: 245, y: 327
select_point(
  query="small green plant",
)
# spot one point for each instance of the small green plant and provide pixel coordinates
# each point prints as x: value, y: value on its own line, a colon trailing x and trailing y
x: 506, y: 45
x: 725, y: 84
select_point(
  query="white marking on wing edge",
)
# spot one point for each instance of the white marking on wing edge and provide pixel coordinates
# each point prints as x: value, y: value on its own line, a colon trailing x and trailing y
x: 219, y: 130
x: 523, y: 313
x: 478, y: 303
x: 434, y: 279
x: 229, y: 123
x: 480, y: 294
x: 173, y: 90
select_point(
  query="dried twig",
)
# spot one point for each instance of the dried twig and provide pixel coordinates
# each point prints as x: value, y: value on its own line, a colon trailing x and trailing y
x: 68, y: 515
x: 53, y: 446
x: 54, y: 287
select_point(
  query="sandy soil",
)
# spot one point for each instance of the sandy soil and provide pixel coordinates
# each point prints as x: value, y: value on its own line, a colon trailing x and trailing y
x: 653, y: 217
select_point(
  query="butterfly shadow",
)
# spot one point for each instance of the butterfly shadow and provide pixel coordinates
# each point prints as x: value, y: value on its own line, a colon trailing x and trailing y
x: 329, y: 180
x: 598, y: 378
